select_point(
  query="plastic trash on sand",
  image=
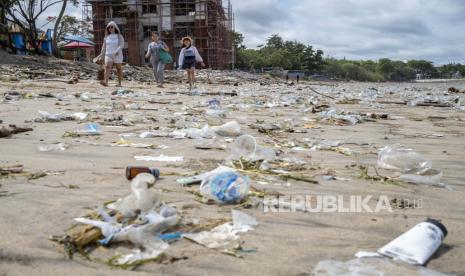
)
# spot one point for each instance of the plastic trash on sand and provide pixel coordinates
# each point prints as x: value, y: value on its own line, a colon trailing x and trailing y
x: 415, y: 168
x: 142, y: 236
x: 90, y: 129
x: 53, y: 147
x: 370, y: 267
x: 225, y: 186
x: 223, y: 234
x: 246, y: 147
x: 418, y: 244
x: 48, y: 117
x: 429, y: 177
x: 349, y: 119
x: 400, y: 158
x: 161, y: 158
x: 141, y: 199
x: 197, y: 179
x: 85, y: 97
x: 230, y: 129
x: 145, y: 238
x: 208, y: 144
x: 80, y: 116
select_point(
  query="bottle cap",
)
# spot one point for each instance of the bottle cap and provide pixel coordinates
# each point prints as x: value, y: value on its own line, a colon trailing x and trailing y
x: 155, y: 172
x: 439, y: 225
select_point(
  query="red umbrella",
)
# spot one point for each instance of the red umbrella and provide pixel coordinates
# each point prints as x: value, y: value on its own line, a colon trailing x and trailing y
x: 77, y: 45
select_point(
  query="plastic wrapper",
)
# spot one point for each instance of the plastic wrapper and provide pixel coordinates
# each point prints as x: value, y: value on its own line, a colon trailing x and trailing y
x: 223, y: 234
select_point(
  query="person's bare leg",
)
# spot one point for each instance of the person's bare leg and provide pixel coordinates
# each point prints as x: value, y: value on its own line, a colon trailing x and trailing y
x: 189, y: 78
x: 193, y: 76
x: 119, y: 70
x: 107, y: 73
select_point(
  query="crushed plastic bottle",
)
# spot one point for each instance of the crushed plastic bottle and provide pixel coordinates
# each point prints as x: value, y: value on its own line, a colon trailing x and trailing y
x: 225, y: 186
x: 141, y: 199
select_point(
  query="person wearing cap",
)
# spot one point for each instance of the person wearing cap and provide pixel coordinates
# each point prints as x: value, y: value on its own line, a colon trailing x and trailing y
x: 153, y: 53
x: 188, y: 58
x: 112, y: 52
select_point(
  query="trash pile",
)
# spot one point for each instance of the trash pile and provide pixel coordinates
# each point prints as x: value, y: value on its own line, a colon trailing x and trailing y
x: 151, y: 226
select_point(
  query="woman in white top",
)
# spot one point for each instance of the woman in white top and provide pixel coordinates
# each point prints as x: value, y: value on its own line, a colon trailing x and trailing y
x: 153, y: 53
x: 188, y: 58
x: 112, y: 52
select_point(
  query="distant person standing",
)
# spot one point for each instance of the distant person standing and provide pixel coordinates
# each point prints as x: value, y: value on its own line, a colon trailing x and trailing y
x: 188, y: 58
x: 112, y: 53
x: 153, y: 51
x: 298, y: 78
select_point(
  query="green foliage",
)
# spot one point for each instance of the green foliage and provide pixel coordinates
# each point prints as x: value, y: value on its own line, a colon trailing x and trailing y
x: 70, y: 25
x: 449, y: 70
x: 293, y: 55
x: 352, y: 70
x: 277, y: 53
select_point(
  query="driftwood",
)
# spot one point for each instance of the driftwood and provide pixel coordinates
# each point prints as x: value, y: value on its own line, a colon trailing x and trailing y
x: 319, y: 93
x: 12, y: 129
x: 393, y: 102
x: 435, y: 104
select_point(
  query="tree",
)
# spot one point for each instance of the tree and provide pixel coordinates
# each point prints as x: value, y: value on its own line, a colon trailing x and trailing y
x: 275, y: 42
x: 25, y: 13
x: 4, y: 6
x: 238, y: 40
x: 423, y: 67
x: 58, y: 23
x: 56, y: 52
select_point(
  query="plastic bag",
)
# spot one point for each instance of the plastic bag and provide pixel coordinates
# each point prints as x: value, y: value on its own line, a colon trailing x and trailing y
x: 369, y: 267
x: 223, y: 234
x: 400, y: 158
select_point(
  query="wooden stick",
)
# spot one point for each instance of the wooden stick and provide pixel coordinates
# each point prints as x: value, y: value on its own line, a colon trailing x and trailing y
x: 321, y: 93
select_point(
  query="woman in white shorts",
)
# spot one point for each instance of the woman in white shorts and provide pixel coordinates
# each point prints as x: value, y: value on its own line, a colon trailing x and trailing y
x: 112, y: 52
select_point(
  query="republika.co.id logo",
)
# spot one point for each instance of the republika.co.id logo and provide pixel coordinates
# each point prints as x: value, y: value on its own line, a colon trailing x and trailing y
x: 334, y: 204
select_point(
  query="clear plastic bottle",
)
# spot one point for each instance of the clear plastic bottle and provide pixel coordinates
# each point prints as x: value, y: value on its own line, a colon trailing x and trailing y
x: 225, y: 187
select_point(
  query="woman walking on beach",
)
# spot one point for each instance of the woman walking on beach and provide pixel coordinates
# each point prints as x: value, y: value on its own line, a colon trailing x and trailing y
x: 153, y: 52
x: 112, y: 53
x: 188, y: 58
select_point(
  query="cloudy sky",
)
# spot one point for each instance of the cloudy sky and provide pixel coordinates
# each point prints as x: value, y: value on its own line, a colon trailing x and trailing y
x: 359, y: 29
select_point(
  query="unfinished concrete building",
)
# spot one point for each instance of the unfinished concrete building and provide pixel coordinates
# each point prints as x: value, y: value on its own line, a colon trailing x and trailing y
x: 208, y: 22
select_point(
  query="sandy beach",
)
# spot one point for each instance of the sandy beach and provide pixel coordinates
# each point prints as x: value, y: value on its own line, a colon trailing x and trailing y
x: 91, y: 171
